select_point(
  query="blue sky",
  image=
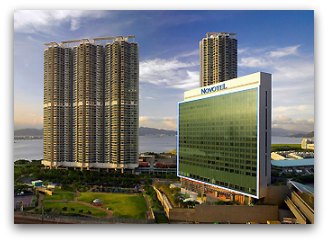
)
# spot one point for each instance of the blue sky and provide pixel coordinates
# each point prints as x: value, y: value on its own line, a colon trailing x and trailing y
x: 278, y: 42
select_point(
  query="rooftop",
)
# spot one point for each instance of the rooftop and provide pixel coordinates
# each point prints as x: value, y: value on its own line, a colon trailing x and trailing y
x: 218, y: 34
x: 69, y: 43
x: 302, y: 187
x: 293, y: 163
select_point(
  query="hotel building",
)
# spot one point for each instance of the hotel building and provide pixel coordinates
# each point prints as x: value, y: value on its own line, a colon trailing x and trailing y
x: 91, y: 103
x: 218, y: 58
x: 224, y: 135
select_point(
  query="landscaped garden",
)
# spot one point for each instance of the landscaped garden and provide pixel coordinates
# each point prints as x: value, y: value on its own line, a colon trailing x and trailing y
x: 119, y: 205
x: 73, y: 208
x: 122, y: 205
x: 61, y: 195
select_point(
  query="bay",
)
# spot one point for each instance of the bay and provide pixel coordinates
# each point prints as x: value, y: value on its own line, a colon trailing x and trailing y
x: 33, y: 149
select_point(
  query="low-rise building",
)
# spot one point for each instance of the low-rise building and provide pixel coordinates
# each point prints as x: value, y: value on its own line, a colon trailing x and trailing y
x: 37, y: 183
x: 307, y: 144
x: 304, y: 166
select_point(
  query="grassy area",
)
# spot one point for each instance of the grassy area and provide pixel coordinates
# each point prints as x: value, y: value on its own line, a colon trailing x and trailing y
x: 122, y: 205
x: 72, y: 208
x: 61, y: 195
x: 286, y: 147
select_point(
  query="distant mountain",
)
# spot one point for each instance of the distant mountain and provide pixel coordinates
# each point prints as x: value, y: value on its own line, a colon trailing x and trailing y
x: 143, y: 131
x: 305, y: 135
x: 28, y: 132
x: 289, y: 133
x: 281, y: 132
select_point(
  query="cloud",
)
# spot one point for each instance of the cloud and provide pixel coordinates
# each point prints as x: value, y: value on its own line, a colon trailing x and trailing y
x: 292, y: 83
x: 294, y: 70
x: 147, y: 97
x: 254, y: 62
x: 265, y: 57
x: 42, y: 21
x: 286, y: 51
x: 158, y: 123
x: 26, y: 116
x: 298, y: 108
x: 169, y: 73
x: 242, y: 50
x: 189, y: 54
x: 300, y: 125
x: 294, y: 115
x: 170, y: 123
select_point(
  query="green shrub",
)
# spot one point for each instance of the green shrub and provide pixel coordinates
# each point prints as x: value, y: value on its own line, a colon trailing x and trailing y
x: 21, y: 162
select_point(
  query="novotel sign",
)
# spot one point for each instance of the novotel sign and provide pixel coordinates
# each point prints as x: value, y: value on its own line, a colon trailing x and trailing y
x: 216, y: 88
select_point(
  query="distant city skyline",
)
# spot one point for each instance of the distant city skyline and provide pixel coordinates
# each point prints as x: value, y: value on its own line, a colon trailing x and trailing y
x: 278, y: 42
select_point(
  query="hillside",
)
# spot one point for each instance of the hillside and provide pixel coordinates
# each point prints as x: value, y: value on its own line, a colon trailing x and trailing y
x: 143, y: 131
x: 28, y: 132
x: 305, y: 135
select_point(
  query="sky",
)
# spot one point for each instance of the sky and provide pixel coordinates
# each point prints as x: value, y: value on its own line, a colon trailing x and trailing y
x: 277, y: 42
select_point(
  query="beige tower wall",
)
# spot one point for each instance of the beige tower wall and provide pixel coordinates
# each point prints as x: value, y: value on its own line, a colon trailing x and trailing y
x: 91, y: 104
x: 100, y: 90
x: 121, y: 106
x: 54, y: 104
x: 84, y: 110
x: 218, y: 58
x: 68, y: 105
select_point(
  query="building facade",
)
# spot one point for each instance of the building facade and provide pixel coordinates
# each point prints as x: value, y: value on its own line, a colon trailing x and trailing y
x: 307, y: 144
x: 224, y: 135
x: 218, y: 58
x: 91, y: 103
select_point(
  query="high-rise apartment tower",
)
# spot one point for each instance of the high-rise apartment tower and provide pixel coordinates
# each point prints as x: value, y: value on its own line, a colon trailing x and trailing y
x: 91, y: 103
x: 218, y: 58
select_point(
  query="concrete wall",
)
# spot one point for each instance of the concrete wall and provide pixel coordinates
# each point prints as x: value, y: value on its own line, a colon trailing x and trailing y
x: 164, y: 201
x: 276, y: 195
x: 182, y: 214
x: 234, y: 214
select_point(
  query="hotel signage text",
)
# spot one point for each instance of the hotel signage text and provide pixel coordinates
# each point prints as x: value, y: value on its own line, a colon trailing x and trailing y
x: 216, y: 88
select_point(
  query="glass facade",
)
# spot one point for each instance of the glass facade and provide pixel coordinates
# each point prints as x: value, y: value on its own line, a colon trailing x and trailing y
x: 218, y: 140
